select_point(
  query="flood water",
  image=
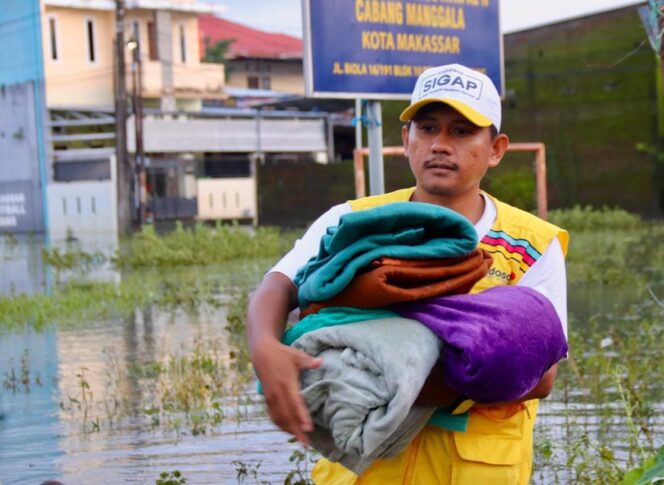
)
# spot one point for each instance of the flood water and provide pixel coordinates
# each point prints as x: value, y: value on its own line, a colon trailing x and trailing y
x: 78, y: 405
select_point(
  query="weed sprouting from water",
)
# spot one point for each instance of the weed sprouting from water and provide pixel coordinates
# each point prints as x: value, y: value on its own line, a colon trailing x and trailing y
x: 611, y: 387
x: 302, y: 459
x: 80, y: 302
x: 171, y: 478
x: 246, y: 471
x: 22, y: 380
x: 202, y: 245
x: 72, y: 258
x: 196, y: 389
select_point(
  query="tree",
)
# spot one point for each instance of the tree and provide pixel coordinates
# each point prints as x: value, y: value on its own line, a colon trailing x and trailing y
x: 218, y: 53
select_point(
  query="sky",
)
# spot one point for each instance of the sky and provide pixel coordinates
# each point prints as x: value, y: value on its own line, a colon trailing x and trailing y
x: 285, y: 15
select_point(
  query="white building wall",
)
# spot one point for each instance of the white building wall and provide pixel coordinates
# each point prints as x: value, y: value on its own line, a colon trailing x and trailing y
x: 82, y: 207
x: 185, y: 134
x: 227, y: 198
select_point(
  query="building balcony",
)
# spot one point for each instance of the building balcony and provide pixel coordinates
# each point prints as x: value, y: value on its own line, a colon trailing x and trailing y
x: 196, y: 81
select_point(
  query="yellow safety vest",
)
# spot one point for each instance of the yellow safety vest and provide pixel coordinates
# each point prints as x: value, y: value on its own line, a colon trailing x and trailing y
x: 497, y: 447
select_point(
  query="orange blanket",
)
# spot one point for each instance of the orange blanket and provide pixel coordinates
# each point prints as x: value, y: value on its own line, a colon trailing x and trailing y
x: 391, y: 280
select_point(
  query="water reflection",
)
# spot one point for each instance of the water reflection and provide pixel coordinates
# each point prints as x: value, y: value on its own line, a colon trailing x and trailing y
x: 65, y: 427
x: 24, y: 269
x: 29, y: 422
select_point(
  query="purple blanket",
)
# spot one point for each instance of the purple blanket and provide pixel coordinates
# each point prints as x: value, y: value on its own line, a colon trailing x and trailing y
x: 497, y: 344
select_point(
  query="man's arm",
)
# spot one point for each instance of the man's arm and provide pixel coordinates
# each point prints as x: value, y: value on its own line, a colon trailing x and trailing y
x: 278, y: 366
x: 548, y: 277
x: 436, y: 392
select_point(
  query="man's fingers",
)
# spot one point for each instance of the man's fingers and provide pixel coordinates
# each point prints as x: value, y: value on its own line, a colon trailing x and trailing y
x: 305, y: 361
x: 281, y: 385
x: 292, y: 416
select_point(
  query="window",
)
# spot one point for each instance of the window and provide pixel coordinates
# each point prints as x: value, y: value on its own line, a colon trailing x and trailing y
x: 152, y: 42
x: 90, y: 33
x: 266, y: 83
x: 53, y: 38
x: 252, y: 82
x: 183, y: 44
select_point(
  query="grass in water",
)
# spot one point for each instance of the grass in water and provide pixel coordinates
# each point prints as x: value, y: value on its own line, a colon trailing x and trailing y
x: 202, y: 245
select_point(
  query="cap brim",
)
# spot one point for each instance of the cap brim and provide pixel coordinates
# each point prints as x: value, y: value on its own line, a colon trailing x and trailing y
x: 473, y: 116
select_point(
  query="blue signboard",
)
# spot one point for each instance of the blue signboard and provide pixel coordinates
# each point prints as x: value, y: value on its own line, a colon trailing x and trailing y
x: 375, y: 49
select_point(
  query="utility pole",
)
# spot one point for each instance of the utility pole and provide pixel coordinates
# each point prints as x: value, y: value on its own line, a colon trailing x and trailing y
x: 659, y: 141
x: 137, y: 103
x: 123, y: 170
x: 660, y: 24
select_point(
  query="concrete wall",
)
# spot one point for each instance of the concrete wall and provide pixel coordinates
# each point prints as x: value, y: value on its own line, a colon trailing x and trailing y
x: 185, y: 134
x: 82, y: 207
x: 227, y: 198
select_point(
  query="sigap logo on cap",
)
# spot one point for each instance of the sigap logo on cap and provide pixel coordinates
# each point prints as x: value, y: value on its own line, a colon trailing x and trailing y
x: 451, y: 80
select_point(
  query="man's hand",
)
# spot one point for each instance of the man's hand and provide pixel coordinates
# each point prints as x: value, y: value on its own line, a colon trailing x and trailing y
x: 278, y: 367
x: 436, y: 392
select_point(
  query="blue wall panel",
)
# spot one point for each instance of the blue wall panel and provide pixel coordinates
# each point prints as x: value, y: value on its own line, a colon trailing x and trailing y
x: 23, y: 174
x: 20, y: 42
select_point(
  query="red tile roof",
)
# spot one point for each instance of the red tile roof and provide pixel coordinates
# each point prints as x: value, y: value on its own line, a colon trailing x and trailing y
x: 248, y: 42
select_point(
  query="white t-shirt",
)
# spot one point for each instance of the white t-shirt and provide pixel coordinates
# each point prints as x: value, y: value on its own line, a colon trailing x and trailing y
x: 547, y: 275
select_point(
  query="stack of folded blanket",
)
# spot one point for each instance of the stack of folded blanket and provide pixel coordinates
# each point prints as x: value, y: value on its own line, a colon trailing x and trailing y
x: 386, y: 292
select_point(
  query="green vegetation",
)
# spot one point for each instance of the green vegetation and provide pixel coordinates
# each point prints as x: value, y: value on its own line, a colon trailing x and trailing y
x: 218, y: 53
x: 21, y: 380
x: 610, y: 390
x: 302, y: 459
x: 591, y: 219
x: 85, y: 303
x: 202, y: 245
x: 171, y: 478
x: 142, y: 283
x: 650, y: 471
x: 194, y: 390
x: 611, y: 384
x: 72, y: 258
x: 612, y: 247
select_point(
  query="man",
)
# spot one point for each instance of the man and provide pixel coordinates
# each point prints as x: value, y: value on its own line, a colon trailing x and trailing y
x: 451, y: 138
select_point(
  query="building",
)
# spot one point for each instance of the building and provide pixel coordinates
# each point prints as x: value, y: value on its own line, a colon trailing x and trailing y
x: 58, y: 170
x: 23, y: 115
x: 256, y: 59
x: 78, y: 45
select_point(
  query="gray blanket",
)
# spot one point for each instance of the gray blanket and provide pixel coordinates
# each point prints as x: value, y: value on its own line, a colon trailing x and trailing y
x: 361, y: 398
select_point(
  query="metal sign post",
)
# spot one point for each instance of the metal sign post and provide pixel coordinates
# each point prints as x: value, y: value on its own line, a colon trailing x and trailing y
x: 375, y: 139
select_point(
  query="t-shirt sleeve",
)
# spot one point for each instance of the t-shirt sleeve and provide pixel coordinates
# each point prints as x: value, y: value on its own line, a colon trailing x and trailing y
x: 308, y: 245
x: 548, y: 276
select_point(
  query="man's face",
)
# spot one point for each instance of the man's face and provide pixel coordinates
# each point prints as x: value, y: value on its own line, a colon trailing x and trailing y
x: 447, y: 153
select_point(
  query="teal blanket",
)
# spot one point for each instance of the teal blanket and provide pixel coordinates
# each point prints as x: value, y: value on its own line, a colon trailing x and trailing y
x: 410, y: 230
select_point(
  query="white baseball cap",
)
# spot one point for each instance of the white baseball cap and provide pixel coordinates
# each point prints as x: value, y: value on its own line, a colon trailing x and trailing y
x: 470, y: 92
